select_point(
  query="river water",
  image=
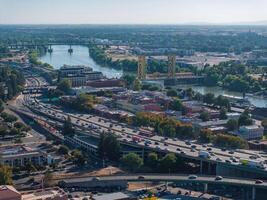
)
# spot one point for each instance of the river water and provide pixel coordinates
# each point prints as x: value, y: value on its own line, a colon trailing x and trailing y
x: 80, y: 56
x: 256, y: 101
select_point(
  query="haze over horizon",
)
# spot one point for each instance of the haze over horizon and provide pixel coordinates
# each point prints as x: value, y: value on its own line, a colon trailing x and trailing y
x: 133, y: 12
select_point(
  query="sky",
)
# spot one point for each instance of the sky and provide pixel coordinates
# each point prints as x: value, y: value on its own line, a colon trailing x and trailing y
x: 131, y: 11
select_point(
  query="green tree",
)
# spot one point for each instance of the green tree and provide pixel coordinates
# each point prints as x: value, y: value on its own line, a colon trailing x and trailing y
x: 5, y: 175
x: 245, y: 119
x: 152, y: 160
x: 65, y: 86
x: 209, y: 98
x: 78, y: 157
x: 176, y: 104
x: 264, y: 124
x: 168, y: 163
x: 232, y: 125
x: 109, y: 147
x: 68, y: 129
x: 204, y: 116
x: 132, y: 162
x: 172, y: 93
x: 129, y: 80
x: 137, y: 85
x: 205, y: 135
x: 223, y: 114
x: 63, y: 149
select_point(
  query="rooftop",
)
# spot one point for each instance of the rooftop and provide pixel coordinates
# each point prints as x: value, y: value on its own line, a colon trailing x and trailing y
x: 48, y: 193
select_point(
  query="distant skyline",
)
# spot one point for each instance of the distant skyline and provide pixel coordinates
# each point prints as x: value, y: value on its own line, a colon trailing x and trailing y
x: 133, y: 11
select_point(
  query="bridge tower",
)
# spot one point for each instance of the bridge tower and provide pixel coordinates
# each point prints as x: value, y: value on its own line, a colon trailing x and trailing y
x: 70, y: 50
x: 141, y: 71
x: 171, y: 66
x: 50, y: 50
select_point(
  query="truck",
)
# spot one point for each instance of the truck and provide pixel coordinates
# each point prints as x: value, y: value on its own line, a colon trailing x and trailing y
x: 252, y: 163
x: 136, y: 139
x: 204, y: 154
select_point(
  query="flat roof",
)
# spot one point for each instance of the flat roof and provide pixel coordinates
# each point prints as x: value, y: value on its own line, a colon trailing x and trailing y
x: 112, y: 196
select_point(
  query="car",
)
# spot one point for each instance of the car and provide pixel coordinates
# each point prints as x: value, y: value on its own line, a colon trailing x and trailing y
x: 223, y: 149
x: 191, y: 177
x: 188, y: 143
x: 141, y: 177
x: 218, y: 159
x: 231, y: 152
x: 193, y: 146
x: 156, y: 143
x: 218, y: 178
x: 96, y: 179
x: 182, y: 152
x: 209, y: 149
x: 228, y: 161
x: 258, y: 182
x: 193, y: 150
x: 165, y: 144
x: 178, y: 149
x: 204, y: 145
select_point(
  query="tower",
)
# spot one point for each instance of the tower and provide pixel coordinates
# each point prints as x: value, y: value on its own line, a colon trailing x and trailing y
x: 171, y: 66
x: 141, y: 71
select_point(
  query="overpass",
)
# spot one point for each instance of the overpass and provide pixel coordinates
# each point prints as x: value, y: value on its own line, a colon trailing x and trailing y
x: 91, y: 182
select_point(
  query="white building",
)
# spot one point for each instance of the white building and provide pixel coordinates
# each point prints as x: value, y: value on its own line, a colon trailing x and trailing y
x: 250, y: 132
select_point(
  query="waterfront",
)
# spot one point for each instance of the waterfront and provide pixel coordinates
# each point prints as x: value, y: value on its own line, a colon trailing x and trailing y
x: 80, y: 56
x: 256, y: 101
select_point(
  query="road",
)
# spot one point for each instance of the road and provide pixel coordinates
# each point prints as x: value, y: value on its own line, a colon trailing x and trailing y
x: 92, y: 123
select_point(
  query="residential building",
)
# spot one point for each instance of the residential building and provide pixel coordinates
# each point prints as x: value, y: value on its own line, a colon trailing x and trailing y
x: 20, y: 155
x: 250, y: 132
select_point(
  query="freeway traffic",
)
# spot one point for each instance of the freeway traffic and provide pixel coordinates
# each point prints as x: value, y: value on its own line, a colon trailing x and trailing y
x: 92, y: 123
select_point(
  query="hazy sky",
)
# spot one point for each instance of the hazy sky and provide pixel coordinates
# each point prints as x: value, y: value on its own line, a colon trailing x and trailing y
x: 130, y: 11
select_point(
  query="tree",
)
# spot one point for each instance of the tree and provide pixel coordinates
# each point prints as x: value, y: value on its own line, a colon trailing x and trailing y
x: 65, y: 86
x: 168, y: 162
x: 223, y: 114
x: 172, y: 93
x: 152, y: 160
x: 137, y: 85
x: 5, y: 175
x: 63, y: 149
x: 78, y: 157
x: 132, y: 162
x: 176, y: 105
x: 68, y: 129
x: 209, y: 98
x: 48, y: 179
x: 109, y: 147
x: 205, y: 135
x: 264, y: 124
x: 204, y: 116
x: 245, y: 119
x: 232, y: 124
x: 129, y: 80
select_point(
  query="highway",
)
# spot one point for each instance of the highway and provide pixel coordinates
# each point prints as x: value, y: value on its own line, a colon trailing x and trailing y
x: 172, y: 178
x: 92, y: 123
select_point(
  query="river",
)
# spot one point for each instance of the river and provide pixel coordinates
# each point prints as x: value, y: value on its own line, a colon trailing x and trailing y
x: 255, y: 100
x: 80, y: 56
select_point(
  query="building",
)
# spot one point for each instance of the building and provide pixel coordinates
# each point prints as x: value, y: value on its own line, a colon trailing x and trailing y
x: 54, y: 193
x: 106, y: 83
x: 113, y: 196
x: 78, y: 75
x: 8, y: 192
x: 20, y: 155
x: 250, y: 132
